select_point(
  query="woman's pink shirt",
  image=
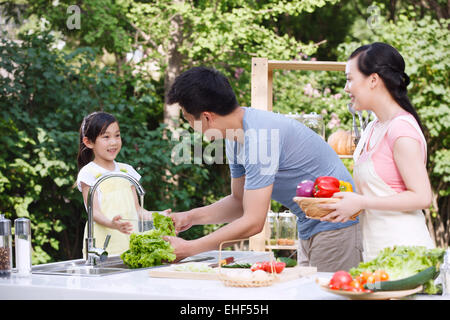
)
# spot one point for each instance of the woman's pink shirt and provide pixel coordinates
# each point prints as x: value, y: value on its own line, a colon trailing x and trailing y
x: 383, y: 156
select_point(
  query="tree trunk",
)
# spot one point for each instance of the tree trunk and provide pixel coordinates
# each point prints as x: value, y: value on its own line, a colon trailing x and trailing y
x: 174, y: 65
x: 172, y: 112
x: 439, y: 222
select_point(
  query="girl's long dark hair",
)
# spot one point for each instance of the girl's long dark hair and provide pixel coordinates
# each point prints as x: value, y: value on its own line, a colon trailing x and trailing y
x: 387, y: 62
x: 92, y: 126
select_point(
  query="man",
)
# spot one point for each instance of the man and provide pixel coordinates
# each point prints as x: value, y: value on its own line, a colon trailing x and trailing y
x: 268, y: 154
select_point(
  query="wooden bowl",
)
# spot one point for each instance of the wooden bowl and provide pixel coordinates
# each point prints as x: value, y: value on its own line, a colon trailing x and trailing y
x: 310, y: 207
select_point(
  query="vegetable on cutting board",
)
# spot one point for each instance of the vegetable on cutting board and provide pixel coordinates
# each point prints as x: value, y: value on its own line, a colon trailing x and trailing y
x: 268, y: 266
x: 194, y: 267
x: 289, y: 262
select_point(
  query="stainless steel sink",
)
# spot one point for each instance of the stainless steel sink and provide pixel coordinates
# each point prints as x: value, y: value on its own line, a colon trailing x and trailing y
x: 112, y: 265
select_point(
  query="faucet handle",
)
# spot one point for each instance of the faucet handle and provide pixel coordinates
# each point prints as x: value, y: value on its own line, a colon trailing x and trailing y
x: 108, y: 237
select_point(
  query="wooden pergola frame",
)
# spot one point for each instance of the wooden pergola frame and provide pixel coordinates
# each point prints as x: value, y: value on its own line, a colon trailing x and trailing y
x: 262, y: 77
x: 262, y: 98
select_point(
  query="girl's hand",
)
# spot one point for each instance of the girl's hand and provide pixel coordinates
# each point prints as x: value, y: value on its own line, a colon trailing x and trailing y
x: 350, y: 204
x: 123, y: 226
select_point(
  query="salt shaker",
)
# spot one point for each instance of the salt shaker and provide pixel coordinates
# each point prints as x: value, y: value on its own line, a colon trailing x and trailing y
x: 5, y: 247
x: 22, y: 239
x: 445, y: 274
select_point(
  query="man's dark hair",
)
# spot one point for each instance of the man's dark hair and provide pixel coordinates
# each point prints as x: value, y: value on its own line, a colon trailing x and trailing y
x: 203, y: 89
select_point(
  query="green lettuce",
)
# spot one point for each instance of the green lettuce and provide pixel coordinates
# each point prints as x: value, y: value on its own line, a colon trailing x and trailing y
x: 148, y: 249
x: 404, y: 261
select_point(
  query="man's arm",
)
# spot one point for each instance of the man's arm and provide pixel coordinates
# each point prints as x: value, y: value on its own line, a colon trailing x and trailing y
x: 225, y: 210
x: 255, y: 206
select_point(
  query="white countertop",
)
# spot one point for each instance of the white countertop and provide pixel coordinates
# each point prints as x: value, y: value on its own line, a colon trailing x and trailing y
x: 138, y: 285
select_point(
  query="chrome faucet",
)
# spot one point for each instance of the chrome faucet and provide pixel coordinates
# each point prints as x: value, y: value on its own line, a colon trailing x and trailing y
x: 93, y: 254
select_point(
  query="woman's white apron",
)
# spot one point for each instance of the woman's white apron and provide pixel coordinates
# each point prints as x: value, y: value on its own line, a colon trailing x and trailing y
x: 382, y: 229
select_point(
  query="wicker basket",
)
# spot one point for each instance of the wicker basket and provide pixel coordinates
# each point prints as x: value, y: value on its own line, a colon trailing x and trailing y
x: 227, y: 281
x: 310, y: 207
x: 233, y: 282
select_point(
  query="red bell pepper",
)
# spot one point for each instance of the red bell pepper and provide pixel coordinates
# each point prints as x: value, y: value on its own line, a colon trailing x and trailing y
x: 326, y: 186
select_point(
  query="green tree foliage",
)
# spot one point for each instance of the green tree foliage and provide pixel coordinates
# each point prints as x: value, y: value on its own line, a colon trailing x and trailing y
x: 425, y: 46
x: 44, y: 92
x: 177, y: 34
x: 44, y: 95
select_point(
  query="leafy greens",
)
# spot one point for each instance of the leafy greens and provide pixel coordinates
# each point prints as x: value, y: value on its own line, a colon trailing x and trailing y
x: 404, y: 261
x: 148, y: 249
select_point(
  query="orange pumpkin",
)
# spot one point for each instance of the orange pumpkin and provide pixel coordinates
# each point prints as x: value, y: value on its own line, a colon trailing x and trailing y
x: 342, y: 142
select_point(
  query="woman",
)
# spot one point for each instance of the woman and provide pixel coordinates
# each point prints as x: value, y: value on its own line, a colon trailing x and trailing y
x: 390, y: 160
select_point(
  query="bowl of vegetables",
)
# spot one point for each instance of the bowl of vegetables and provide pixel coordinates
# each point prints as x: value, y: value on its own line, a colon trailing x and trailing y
x: 310, y: 195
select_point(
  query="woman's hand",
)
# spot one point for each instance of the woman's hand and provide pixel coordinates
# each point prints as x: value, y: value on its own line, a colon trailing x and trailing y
x: 123, y: 226
x: 350, y: 204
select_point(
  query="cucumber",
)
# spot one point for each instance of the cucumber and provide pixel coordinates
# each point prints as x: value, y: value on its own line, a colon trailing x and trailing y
x: 404, y: 284
x: 289, y: 262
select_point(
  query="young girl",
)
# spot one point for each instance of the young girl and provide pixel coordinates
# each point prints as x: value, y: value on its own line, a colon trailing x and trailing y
x: 390, y: 159
x: 115, y: 199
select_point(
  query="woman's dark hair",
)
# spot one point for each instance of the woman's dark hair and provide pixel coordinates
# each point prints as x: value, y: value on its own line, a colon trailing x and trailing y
x: 203, y: 89
x: 92, y: 126
x: 387, y: 62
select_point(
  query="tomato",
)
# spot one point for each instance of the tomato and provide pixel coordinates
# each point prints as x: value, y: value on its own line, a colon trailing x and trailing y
x: 356, y: 284
x: 340, y: 280
x: 258, y: 266
x: 381, y: 275
x: 360, y: 279
x: 278, y: 267
x: 371, y: 279
x: 365, y: 275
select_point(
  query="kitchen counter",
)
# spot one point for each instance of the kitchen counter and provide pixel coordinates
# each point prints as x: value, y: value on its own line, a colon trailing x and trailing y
x: 138, y: 285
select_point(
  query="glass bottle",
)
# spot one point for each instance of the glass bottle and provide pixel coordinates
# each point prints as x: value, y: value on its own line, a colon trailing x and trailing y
x: 272, y: 218
x: 22, y: 240
x: 287, y: 228
x: 5, y: 247
x: 445, y: 274
x: 315, y: 122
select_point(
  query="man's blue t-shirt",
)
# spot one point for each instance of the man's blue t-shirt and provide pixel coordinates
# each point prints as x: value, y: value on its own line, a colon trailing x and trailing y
x: 282, y: 151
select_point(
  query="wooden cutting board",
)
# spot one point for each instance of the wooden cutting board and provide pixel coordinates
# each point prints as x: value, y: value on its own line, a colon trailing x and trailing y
x: 169, y: 272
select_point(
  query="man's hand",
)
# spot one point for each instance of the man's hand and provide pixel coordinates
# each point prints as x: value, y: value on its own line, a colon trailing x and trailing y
x: 180, y: 245
x: 181, y: 221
